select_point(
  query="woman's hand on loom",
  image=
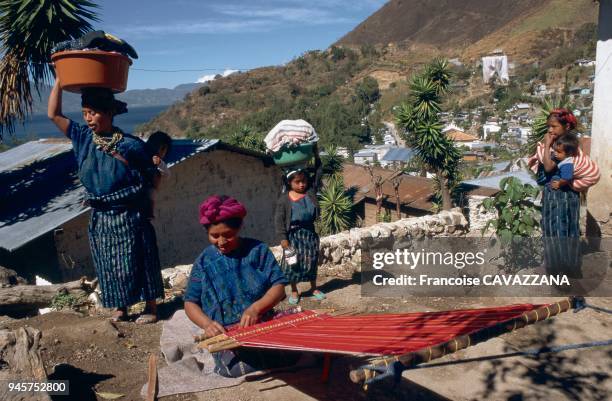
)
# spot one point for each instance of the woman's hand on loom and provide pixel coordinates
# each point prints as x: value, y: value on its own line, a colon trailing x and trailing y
x: 250, y: 316
x: 213, y: 329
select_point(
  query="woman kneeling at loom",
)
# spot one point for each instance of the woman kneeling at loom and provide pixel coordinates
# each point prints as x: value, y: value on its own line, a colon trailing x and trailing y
x: 236, y: 281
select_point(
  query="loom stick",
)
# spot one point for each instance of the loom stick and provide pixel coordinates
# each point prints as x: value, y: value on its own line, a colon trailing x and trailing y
x: 213, y: 340
x: 152, y: 375
x: 223, y: 345
x: 414, y: 358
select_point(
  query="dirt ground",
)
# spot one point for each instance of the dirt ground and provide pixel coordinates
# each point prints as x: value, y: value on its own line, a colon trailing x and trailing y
x: 100, y: 357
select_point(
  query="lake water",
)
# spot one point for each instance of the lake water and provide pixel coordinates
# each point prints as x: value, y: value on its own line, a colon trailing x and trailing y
x: 39, y: 126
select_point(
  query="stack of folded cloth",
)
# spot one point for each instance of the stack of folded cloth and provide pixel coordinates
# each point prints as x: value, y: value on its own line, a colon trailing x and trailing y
x: 290, y: 133
x: 97, y: 40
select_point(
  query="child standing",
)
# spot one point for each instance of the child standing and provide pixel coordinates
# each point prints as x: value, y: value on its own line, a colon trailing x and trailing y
x: 296, y: 212
x: 158, y: 145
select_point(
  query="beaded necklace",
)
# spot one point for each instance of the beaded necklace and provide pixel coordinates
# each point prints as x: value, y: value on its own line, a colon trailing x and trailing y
x: 108, y: 144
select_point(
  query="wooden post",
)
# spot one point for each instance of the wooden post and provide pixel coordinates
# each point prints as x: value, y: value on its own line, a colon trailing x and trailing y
x: 326, y: 367
x: 152, y: 373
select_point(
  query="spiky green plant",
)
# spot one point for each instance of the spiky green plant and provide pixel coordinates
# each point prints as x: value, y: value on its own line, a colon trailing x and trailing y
x: 336, y: 207
x: 332, y: 161
x: 28, y: 31
x: 425, y: 93
x: 539, y: 127
x: 440, y: 73
x: 423, y: 131
x: 248, y: 139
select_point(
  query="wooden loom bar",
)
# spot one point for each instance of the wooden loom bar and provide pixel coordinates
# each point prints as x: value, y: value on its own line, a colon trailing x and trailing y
x: 414, y: 358
x: 223, y: 341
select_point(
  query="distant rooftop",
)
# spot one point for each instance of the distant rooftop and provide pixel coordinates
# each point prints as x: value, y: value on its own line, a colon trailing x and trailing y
x: 399, y: 154
x: 493, y: 181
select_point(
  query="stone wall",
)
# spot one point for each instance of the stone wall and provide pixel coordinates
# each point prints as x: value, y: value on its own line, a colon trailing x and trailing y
x: 477, y: 216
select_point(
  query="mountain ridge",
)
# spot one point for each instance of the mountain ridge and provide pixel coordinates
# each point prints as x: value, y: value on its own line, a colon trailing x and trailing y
x: 135, y: 98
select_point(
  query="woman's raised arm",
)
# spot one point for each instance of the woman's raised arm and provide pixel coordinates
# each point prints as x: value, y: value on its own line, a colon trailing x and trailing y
x: 54, y: 109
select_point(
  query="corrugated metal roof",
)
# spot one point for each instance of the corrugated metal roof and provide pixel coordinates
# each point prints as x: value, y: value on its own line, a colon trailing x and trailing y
x: 43, y: 190
x: 364, y: 154
x: 493, y: 181
x: 33, y: 223
x: 399, y: 154
x: 182, y: 149
x: 32, y: 152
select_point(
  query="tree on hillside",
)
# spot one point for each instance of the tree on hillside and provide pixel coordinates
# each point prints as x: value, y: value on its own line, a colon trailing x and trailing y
x: 368, y: 91
x: 423, y: 130
x: 396, y: 181
x: 28, y: 31
x: 377, y: 182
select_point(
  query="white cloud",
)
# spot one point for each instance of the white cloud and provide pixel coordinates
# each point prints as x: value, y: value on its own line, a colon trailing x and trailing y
x: 211, y: 77
x: 306, y: 16
x: 226, y: 18
x: 193, y: 27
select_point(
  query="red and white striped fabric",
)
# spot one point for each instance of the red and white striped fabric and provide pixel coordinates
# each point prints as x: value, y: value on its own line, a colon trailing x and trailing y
x: 290, y: 132
x: 586, y: 171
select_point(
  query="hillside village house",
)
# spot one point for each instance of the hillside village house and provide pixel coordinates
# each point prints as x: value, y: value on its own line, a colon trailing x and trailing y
x: 365, y: 156
x: 490, y: 128
x: 461, y: 138
x: 416, y: 193
x: 43, y: 221
x: 397, y: 156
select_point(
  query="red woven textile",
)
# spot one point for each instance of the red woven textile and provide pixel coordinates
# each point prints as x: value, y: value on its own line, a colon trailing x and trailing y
x: 384, y: 334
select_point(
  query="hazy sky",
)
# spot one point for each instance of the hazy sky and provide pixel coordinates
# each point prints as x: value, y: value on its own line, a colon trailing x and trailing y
x: 212, y: 36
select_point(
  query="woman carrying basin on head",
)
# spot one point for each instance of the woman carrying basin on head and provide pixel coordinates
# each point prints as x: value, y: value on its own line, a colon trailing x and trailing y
x: 117, y: 171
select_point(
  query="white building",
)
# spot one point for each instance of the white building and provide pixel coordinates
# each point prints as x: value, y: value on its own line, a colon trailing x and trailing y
x: 489, y: 128
x: 365, y: 156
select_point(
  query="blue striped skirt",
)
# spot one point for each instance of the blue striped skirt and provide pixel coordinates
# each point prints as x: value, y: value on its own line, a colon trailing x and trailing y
x: 125, y: 255
x: 306, y: 244
x: 561, y: 231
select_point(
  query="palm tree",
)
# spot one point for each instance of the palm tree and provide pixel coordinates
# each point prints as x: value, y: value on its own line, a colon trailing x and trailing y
x: 423, y: 131
x: 28, y: 31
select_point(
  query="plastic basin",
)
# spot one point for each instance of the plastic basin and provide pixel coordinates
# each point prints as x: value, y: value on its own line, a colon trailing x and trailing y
x: 287, y: 156
x: 77, y: 69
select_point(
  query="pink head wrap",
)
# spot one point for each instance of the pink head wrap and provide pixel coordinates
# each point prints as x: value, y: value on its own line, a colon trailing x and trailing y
x: 216, y: 209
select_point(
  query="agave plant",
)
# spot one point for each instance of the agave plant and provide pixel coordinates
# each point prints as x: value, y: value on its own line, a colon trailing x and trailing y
x: 539, y: 127
x: 28, y: 31
x: 336, y: 207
